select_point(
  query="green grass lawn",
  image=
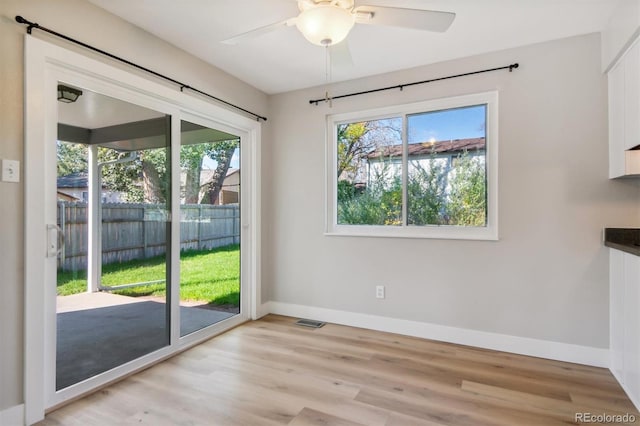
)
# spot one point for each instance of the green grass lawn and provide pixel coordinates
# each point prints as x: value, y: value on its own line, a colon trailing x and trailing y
x: 208, y: 276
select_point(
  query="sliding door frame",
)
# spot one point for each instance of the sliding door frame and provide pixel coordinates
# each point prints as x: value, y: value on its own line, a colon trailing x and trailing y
x: 45, y: 65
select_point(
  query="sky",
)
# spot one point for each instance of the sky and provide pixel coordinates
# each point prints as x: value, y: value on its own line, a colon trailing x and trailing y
x: 459, y: 123
x: 208, y: 163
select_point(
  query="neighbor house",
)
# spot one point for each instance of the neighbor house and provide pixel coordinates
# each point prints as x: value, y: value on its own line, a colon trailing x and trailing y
x: 74, y: 187
x: 424, y: 154
x: 534, y: 281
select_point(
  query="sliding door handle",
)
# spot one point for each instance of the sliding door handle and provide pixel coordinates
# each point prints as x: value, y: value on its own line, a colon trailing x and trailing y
x: 55, y: 240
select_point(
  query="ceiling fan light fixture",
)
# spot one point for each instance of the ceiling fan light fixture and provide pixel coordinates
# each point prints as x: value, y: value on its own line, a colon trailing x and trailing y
x: 325, y: 24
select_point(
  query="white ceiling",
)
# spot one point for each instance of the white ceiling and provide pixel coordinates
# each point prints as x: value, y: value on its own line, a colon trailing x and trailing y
x: 283, y: 60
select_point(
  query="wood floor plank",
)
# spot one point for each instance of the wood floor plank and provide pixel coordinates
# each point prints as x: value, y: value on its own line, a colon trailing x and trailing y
x: 398, y: 419
x: 288, y: 376
x: 310, y: 417
x: 275, y: 394
x: 271, y: 372
x: 534, y: 403
x: 619, y: 403
x: 449, y: 411
x: 512, y: 378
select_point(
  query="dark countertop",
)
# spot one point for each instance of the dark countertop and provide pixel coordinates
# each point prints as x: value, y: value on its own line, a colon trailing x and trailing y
x: 625, y: 239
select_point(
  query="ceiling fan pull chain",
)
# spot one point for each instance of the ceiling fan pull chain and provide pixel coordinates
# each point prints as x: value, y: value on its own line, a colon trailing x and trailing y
x: 327, y: 75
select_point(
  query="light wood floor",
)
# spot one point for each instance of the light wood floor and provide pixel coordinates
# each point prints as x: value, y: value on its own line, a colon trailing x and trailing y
x: 271, y: 372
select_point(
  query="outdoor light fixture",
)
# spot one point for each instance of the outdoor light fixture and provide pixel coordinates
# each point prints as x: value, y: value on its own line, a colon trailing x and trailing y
x: 325, y: 24
x: 68, y: 94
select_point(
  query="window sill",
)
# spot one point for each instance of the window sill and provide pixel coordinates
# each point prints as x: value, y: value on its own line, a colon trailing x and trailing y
x: 424, y: 232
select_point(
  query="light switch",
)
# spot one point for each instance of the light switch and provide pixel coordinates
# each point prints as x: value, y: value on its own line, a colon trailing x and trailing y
x: 10, y: 171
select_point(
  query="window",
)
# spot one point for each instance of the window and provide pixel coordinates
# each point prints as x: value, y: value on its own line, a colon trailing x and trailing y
x: 421, y: 170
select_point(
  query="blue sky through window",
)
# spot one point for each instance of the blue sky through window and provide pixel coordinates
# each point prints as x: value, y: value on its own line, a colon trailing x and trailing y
x: 209, y: 164
x: 457, y: 123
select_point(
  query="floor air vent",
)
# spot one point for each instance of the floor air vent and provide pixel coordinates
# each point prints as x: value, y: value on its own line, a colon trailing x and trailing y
x: 310, y: 323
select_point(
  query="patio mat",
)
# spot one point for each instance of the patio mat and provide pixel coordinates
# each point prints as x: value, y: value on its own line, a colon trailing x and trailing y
x: 92, y: 341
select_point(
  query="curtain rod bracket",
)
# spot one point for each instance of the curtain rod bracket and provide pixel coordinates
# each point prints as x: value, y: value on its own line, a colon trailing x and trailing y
x: 32, y: 25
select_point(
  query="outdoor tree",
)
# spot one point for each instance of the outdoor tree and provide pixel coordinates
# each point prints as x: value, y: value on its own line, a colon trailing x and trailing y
x: 122, y: 177
x: 191, y: 162
x: 191, y: 158
x: 467, y: 204
x: 221, y: 153
x: 367, y: 195
x: 146, y: 179
x: 155, y: 176
x: 356, y: 141
x: 427, y: 192
x: 380, y: 203
x: 71, y: 158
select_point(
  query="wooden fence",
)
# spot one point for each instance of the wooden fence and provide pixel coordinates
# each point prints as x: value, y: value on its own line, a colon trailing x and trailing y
x: 139, y: 231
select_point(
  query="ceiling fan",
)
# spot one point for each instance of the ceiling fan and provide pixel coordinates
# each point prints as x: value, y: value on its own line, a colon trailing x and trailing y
x: 328, y: 22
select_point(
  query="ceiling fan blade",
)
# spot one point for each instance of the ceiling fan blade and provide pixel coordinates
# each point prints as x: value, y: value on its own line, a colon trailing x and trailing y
x: 341, y: 55
x: 239, y: 38
x: 426, y: 20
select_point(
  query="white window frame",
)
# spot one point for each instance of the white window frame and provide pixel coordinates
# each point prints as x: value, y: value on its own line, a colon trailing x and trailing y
x: 488, y: 232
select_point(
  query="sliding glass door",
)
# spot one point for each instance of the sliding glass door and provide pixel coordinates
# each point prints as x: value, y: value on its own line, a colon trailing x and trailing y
x: 137, y: 212
x: 209, y: 226
x: 113, y: 201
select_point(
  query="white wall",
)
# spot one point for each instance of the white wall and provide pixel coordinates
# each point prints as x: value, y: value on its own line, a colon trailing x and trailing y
x: 547, y: 277
x: 86, y: 22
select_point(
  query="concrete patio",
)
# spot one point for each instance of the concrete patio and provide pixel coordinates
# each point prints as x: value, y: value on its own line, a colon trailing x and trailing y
x: 99, y: 331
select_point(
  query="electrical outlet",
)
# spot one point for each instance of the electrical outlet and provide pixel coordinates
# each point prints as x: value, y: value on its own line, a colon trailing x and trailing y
x: 380, y: 292
x: 10, y: 171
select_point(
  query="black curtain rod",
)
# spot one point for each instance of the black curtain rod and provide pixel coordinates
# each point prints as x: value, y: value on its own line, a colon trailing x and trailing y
x: 32, y: 25
x: 402, y: 86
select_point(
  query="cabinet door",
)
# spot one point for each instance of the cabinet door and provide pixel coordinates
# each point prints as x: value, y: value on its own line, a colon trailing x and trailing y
x: 616, y: 301
x: 632, y: 325
x: 632, y: 97
x: 616, y: 120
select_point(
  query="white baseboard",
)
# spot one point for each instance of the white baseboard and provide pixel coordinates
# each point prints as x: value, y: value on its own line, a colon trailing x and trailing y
x: 12, y: 416
x: 586, y: 355
x: 263, y: 310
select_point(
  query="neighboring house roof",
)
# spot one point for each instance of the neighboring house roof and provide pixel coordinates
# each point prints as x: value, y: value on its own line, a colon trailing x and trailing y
x: 79, y: 180
x: 62, y: 196
x: 429, y: 148
x: 74, y: 180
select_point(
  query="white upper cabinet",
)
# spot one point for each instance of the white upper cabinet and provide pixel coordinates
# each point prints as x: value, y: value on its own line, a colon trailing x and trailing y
x: 616, y: 120
x: 624, y: 108
x: 632, y: 97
